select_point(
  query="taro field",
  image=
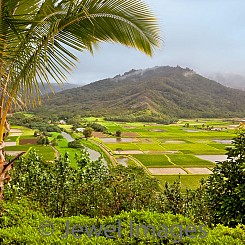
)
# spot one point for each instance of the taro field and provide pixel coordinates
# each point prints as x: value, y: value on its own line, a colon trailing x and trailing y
x: 21, y: 139
x: 187, y: 150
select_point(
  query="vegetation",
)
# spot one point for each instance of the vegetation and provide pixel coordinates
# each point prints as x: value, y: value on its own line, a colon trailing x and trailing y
x: 75, y: 144
x: 97, y: 127
x: 113, y: 193
x: 153, y: 160
x: 225, y: 187
x: 21, y: 225
x: 118, y: 133
x: 65, y: 191
x: 88, y: 131
x: 162, y: 94
x: 43, y: 140
x: 41, y: 124
x: 34, y: 41
x: 58, y: 192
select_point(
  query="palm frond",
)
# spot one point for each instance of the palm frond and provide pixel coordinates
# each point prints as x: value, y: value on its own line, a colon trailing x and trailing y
x: 35, y: 37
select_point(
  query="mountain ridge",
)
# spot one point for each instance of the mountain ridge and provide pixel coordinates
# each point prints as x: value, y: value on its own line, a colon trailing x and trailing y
x: 158, y: 92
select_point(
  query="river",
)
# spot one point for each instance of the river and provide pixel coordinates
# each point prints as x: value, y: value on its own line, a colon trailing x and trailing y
x: 94, y: 155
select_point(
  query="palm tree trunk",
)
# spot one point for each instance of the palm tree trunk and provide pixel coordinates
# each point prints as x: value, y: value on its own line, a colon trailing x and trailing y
x: 3, y: 171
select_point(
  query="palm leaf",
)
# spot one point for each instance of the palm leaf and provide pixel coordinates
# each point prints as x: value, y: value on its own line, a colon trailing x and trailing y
x: 34, y: 38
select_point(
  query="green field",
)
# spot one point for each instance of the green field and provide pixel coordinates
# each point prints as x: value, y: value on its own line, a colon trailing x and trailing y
x: 45, y: 151
x: 162, y: 146
x: 150, y: 147
x: 153, y: 160
x: 175, y: 145
x: 194, y: 148
x: 122, y: 146
x: 187, y: 181
x: 189, y: 160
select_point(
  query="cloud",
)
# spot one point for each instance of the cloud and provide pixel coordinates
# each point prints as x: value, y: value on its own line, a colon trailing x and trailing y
x: 205, y: 35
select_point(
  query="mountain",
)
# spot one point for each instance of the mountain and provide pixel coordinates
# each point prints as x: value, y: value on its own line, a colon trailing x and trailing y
x: 57, y: 88
x: 230, y: 80
x: 156, y: 93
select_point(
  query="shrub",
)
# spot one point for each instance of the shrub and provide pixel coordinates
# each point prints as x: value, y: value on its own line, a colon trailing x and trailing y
x: 118, y: 133
x: 97, y: 127
x: 226, y: 186
x: 75, y: 144
x: 59, y: 137
x: 21, y: 225
x: 88, y: 132
x: 90, y: 189
x: 45, y: 133
x: 54, y: 142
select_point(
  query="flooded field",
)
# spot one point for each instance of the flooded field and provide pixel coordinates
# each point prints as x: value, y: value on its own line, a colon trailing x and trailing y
x: 223, y: 141
x: 118, y: 140
x: 123, y: 161
x: 213, y: 158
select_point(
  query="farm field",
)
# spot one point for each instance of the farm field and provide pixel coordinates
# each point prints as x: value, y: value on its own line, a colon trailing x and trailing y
x: 187, y: 145
x: 187, y: 181
x: 188, y: 148
x: 25, y: 141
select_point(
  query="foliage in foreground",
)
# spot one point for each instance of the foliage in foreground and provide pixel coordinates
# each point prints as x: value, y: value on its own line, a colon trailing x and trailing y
x: 95, y: 190
x: 91, y: 189
x: 225, y: 188
x: 57, y: 192
x: 22, y: 225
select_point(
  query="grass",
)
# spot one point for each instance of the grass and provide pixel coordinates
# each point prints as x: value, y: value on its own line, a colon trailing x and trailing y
x: 11, y: 138
x: 27, y: 137
x: 72, y: 153
x: 153, y: 160
x: 201, y: 149
x: 220, y: 146
x: 26, y: 131
x: 187, y: 159
x: 63, y: 148
x: 17, y: 148
x: 65, y: 126
x: 150, y: 147
x: 114, y: 128
x: 122, y: 146
x: 187, y: 181
x: 45, y: 151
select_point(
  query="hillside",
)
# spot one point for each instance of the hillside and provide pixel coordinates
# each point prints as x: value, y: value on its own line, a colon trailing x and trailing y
x: 156, y: 92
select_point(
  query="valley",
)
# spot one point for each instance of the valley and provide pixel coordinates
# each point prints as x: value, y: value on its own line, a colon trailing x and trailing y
x: 187, y: 149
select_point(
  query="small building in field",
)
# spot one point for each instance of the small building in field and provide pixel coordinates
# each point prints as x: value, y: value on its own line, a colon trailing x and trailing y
x: 62, y: 122
x: 80, y: 130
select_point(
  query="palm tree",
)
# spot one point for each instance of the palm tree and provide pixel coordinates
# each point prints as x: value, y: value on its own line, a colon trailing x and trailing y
x: 36, y: 39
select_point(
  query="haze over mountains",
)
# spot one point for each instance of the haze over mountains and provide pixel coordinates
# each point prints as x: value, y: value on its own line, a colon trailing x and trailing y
x: 229, y: 80
x: 57, y: 88
x: 157, y: 92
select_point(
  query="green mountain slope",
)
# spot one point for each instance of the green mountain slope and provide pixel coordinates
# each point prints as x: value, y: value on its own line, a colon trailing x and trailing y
x: 156, y: 92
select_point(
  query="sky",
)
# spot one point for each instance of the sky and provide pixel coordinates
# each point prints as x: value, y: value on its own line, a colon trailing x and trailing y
x: 207, y: 36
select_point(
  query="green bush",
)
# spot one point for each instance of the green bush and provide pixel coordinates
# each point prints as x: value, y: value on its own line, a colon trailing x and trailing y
x: 59, y: 137
x: 97, y: 127
x: 75, y: 144
x: 22, y: 225
x: 226, y: 186
x: 88, y: 132
x: 90, y: 189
